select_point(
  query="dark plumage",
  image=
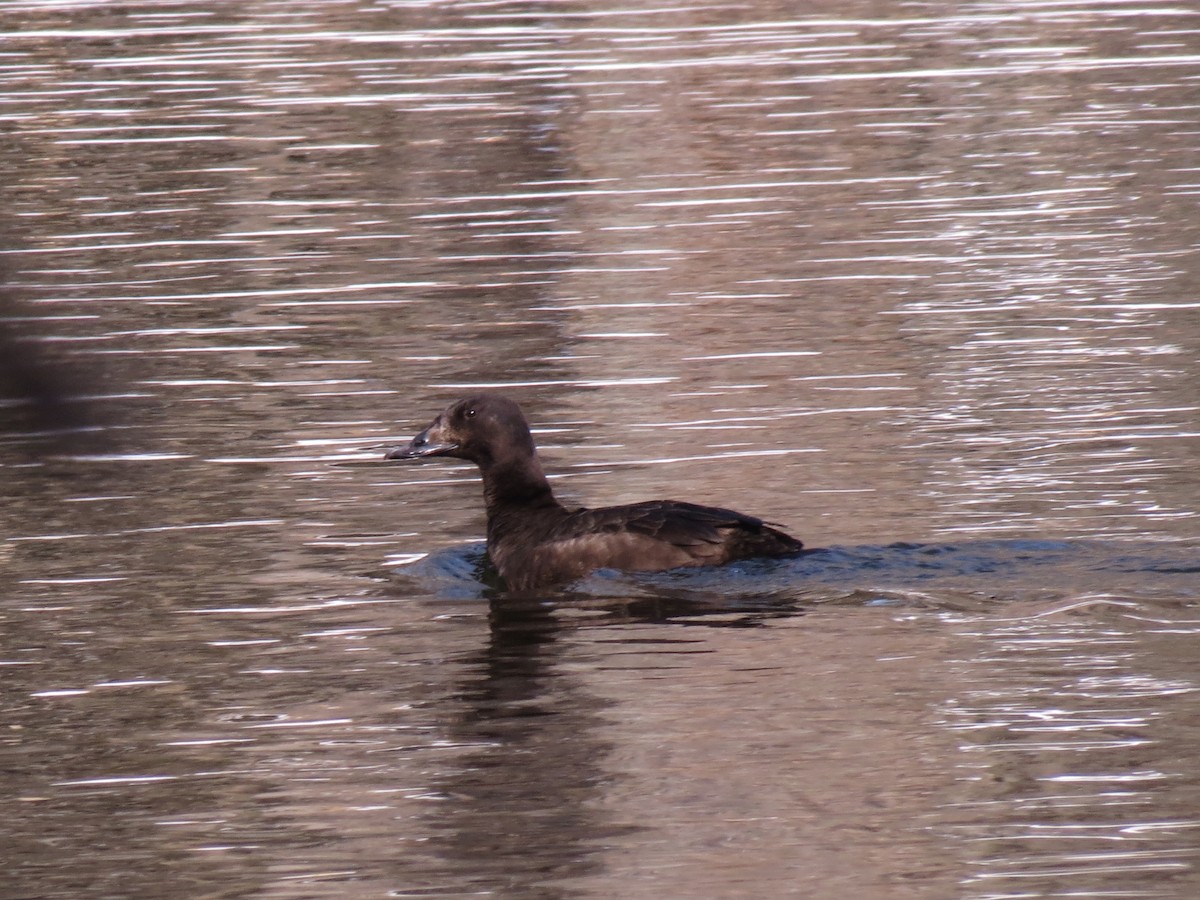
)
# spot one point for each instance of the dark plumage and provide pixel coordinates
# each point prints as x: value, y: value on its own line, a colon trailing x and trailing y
x: 534, y: 541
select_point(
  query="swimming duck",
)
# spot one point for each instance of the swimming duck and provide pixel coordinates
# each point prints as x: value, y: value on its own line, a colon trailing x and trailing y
x: 534, y: 541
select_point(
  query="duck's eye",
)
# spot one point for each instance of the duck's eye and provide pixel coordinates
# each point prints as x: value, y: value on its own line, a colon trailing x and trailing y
x: 470, y: 413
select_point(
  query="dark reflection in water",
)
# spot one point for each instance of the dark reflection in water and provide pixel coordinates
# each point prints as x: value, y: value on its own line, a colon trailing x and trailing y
x: 917, y: 282
x: 525, y: 809
x: 47, y: 401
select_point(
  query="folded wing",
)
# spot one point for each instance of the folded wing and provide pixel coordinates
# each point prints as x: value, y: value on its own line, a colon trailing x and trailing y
x: 652, y: 536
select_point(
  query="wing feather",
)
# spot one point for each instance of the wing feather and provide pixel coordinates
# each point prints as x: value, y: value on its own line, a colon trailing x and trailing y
x: 652, y: 536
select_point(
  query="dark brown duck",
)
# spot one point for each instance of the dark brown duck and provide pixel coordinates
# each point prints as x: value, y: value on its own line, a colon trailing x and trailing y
x: 534, y: 541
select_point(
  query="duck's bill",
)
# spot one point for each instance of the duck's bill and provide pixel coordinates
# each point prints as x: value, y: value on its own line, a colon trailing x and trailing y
x: 421, y: 446
x: 411, y: 452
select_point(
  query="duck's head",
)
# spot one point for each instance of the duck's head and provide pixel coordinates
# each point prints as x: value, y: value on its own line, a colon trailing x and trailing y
x: 483, y: 429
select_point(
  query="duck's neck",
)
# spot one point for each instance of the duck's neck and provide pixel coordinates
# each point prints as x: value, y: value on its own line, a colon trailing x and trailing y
x: 515, y: 487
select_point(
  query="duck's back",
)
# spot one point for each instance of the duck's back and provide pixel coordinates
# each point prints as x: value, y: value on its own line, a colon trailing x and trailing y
x: 640, y: 537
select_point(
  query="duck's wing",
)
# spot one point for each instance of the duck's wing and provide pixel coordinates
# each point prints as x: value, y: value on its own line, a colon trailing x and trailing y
x: 640, y: 537
x: 678, y: 523
x: 664, y: 534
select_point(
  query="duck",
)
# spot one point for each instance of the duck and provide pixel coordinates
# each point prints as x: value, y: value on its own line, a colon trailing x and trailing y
x: 534, y: 542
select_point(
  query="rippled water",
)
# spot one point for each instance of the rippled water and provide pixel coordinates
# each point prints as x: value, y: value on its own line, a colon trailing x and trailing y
x: 917, y: 281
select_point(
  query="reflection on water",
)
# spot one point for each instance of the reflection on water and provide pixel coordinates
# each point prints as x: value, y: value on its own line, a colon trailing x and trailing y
x: 918, y: 283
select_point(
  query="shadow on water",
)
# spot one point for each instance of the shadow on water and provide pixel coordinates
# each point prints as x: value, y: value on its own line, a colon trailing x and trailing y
x: 972, y: 575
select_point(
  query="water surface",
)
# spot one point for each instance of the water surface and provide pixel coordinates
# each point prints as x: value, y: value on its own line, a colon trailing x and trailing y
x: 917, y: 282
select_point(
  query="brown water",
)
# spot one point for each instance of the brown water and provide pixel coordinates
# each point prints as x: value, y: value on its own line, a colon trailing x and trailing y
x: 884, y: 273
